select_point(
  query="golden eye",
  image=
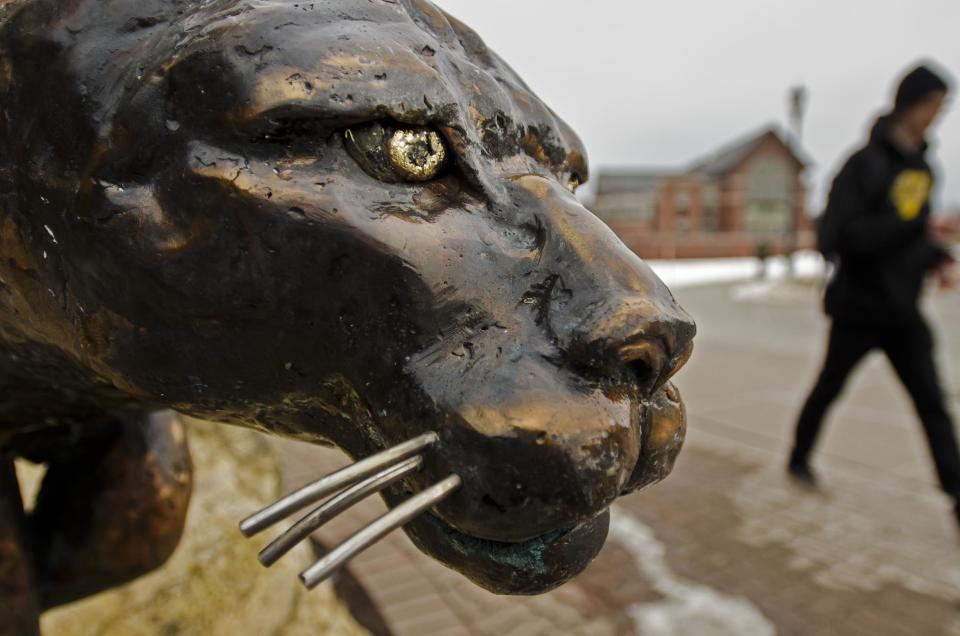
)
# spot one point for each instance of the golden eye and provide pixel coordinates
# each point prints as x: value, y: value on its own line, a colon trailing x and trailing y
x: 573, y: 183
x: 416, y: 154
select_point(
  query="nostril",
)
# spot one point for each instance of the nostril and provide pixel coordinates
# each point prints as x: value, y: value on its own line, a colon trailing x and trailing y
x: 645, y: 374
x: 649, y: 352
x: 647, y: 359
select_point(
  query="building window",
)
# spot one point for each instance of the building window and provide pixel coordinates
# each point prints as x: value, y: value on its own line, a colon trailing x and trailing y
x: 711, y: 207
x: 769, y: 196
x: 637, y: 206
x: 766, y: 217
x: 681, y: 211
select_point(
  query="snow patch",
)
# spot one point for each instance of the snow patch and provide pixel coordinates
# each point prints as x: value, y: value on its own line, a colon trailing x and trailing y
x: 690, y: 272
x: 689, y: 608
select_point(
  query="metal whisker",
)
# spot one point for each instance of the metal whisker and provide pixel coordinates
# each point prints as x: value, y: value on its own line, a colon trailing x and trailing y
x: 346, y: 487
x: 402, y: 514
x: 333, y: 507
x: 314, y: 492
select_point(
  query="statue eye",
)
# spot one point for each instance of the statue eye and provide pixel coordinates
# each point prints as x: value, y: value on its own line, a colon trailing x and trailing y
x: 395, y: 153
x: 416, y: 153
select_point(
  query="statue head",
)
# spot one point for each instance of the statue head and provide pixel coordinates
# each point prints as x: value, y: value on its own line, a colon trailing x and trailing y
x: 347, y: 222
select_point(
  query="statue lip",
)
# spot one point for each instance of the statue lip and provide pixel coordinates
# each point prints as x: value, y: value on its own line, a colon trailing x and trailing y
x: 530, y: 567
x: 502, y: 547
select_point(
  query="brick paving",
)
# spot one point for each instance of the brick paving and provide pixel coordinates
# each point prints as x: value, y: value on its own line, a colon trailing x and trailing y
x: 727, y: 545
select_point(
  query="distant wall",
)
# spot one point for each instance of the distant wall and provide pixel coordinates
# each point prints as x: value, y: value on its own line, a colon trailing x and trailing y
x: 666, y: 245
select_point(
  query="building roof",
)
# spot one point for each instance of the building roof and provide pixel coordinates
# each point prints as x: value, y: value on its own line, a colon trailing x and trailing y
x: 725, y: 160
x: 729, y: 157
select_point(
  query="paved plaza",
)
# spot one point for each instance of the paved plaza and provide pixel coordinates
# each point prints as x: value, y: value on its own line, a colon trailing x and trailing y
x: 726, y: 545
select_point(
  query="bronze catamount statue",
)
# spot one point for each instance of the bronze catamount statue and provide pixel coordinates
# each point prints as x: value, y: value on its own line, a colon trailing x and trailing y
x: 347, y: 222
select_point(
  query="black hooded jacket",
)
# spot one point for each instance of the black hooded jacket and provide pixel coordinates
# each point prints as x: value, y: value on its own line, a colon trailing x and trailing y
x: 874, y: 230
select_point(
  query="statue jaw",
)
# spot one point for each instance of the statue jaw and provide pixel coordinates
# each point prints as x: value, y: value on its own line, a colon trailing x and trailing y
x: 544, y: 562
x: 437, y: 517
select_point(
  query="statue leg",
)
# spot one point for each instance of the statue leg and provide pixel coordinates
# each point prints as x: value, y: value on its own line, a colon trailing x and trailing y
x: 19, y: 605
x: 111, y: 511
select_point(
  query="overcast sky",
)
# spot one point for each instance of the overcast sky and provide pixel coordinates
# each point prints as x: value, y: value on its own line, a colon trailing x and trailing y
x: 660, y: 83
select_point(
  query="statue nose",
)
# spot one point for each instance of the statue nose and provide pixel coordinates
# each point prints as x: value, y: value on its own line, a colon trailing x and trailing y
x: 615, y: 312
x: 651, y: 339
x: 653, y: 363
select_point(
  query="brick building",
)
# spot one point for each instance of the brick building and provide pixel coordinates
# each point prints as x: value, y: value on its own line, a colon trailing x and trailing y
x: 744, y: 197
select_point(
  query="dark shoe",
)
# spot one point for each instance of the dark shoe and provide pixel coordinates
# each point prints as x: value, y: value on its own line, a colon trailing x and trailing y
x: 801, y: 474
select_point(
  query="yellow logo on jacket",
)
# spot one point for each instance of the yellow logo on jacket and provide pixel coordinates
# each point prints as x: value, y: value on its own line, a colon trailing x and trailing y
x: 910, y: 192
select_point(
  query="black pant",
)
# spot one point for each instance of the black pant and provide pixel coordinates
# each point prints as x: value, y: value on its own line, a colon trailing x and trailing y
x: 910, y: 351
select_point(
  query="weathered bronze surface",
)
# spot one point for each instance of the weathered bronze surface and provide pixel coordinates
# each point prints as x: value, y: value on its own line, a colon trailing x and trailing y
x: 347, y: 222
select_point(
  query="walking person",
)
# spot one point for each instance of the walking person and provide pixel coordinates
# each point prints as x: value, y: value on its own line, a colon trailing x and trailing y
x: 878, y: 232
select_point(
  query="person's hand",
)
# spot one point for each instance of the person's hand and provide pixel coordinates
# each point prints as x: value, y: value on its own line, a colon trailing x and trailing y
x: 948, y: 275
x: 941, y: 227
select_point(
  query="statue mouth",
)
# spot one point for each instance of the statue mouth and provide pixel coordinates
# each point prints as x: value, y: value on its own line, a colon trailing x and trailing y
x: 531, y: 565
x: 548, y: 560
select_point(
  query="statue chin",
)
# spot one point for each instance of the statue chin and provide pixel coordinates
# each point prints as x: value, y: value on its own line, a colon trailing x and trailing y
x: 528, y: 568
